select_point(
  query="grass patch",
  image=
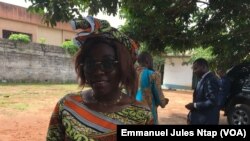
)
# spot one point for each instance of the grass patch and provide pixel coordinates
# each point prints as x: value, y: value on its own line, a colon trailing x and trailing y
x: 19, y: 106
x: 23, y: 97
x: 33, y: 84
x: 13, y: 105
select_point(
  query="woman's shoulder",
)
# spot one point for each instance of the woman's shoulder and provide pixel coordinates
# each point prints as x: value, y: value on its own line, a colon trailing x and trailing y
x: 136, y: 108
x: 130, y: 103
x: 139, y: 106
x: 137, y: 112
x: 155, y: 75
x: 77, y: 96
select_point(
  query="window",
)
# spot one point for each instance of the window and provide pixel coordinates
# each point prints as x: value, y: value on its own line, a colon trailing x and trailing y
x: 7, y: 33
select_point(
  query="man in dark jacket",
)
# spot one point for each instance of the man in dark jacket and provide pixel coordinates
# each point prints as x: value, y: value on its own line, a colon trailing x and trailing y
x: 225, y: 85
x: 204, y: 109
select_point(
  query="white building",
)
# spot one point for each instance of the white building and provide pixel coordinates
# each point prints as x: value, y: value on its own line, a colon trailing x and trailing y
x: 178, y: 73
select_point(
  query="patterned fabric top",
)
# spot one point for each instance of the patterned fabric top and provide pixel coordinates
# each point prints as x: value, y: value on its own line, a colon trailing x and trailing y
x: 72, y: 120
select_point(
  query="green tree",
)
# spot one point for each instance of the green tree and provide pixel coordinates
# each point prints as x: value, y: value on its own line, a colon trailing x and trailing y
x: 20, y: 38
x: 206, y: 53
x: 70, y: 47
x: 42, y: 40
x: 223, y: 25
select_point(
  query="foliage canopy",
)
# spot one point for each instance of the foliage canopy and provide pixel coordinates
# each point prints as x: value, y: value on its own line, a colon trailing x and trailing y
x: 223, y: 25
x: 70, y: 47
x: 19, y: 38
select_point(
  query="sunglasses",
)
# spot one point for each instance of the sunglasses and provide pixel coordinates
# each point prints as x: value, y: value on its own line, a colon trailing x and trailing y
x: 106, y: 65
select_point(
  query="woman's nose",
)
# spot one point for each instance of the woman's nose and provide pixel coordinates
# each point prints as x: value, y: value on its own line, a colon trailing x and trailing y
x: 98, y: 68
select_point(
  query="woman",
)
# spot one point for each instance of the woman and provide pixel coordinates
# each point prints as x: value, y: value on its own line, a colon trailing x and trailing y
x: 104, y: 62
x: 149, y: 86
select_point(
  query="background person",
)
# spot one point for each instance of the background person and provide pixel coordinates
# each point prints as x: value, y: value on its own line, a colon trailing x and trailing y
x: 149, y: 85
x: 204, y: 109
x: 103, y: 61
x: 225, y: 85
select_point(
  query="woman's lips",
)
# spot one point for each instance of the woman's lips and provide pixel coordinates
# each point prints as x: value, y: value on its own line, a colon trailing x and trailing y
x: 100, y: 83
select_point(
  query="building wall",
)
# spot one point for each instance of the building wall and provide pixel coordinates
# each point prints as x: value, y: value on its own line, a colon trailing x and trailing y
x: 55, y: 36
x: 19, y: 27
x: 177, y: 75
x: 67, y: 35
x: 35, y: 63
x: 16, y: 18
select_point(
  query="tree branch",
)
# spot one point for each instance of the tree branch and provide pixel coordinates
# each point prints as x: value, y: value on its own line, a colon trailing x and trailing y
x: 203, y: 2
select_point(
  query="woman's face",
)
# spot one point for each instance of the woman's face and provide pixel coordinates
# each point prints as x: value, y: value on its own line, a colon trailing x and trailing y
x: 101, y: 69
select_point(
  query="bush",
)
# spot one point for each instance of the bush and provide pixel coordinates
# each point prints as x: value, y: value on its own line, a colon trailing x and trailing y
x: 42, y: 40
x: 70, y: 47
x: 19, y: 38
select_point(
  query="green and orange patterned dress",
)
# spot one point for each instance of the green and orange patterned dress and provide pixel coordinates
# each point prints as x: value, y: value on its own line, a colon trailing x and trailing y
x: 73, y: 121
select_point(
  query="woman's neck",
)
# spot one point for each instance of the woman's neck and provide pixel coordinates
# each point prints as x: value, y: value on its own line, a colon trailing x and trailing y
x: 108, y: 98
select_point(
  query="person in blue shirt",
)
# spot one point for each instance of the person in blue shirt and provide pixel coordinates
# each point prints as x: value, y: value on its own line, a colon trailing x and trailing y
x: 149, y: 85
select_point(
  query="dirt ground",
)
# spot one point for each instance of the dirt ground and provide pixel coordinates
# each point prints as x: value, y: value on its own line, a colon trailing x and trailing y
x: 175, y: 112
x: 31, y: 125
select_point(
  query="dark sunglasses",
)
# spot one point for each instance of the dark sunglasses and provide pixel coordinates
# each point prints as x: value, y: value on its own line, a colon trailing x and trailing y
x: 106, y: 65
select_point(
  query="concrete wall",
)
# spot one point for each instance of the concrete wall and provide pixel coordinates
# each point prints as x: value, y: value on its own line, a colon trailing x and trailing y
x: 177, y: 75
x: 34, y: 63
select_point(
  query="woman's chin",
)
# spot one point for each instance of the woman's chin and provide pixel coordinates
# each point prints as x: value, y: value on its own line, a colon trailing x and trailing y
x: 101, y: 91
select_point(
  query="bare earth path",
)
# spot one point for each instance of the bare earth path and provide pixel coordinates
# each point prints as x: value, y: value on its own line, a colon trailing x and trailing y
x: 27, y: 116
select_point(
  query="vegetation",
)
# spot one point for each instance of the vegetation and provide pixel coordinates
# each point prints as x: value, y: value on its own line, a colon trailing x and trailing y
x: 206, y: 53
x: 42, y: 40
x: 22, y: 97
x: 19, y: 38
x: 70, y: 47
x: 222, y: 25
x: 159, y: 63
